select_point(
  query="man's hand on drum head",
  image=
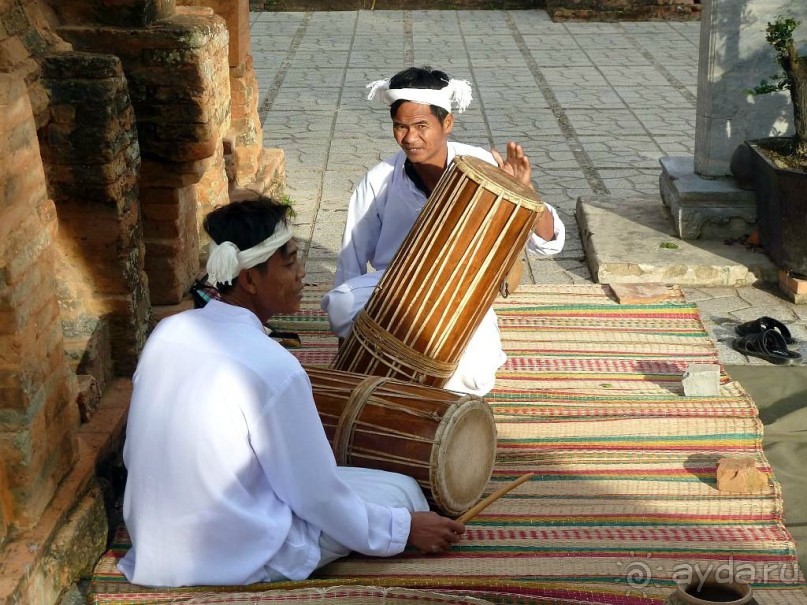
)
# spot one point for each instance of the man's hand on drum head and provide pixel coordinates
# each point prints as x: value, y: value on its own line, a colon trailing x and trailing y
x: 517, y: 163
x: 431, y: 533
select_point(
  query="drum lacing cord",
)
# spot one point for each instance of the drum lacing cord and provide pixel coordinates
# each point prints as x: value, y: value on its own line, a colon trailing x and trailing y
x: 354, y: 406
x: 372, y: 337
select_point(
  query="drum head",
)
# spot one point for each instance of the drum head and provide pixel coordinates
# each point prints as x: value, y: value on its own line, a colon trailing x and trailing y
x: 497, y: 181
x: 463, y: 455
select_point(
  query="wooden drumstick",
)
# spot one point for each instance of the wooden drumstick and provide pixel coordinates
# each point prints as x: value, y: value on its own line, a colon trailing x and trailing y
x: 483, y: 504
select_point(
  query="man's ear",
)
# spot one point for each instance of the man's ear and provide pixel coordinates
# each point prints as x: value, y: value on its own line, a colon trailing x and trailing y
x: 245, y: 281
x: 448, y: 123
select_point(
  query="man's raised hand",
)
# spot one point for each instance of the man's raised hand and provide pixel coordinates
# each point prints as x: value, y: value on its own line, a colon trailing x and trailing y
x: 517, y: 163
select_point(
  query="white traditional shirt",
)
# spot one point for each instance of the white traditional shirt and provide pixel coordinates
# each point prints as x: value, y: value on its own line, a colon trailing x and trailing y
x: 385, y: 206
x: 229, y: 470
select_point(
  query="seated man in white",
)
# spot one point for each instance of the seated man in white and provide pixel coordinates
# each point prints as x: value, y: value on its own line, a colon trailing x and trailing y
x: 231, y: 479
x: 387, y: 202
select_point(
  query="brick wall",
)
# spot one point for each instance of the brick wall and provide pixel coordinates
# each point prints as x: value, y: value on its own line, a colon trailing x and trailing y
x: 92, y: 161
x: 559, y: 10
x: 120, y: 13
x: 178, y: 78
x: 245, y: 161
x: 5, y: 505
x: 26, y: 30
x: 334, y: 5
x: 38, y: 418
x: 623, y: 10
x: 116, y: 138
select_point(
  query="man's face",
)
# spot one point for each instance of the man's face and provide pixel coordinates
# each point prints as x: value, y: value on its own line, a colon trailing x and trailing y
x: 279, y: 289
x: 420, y: 134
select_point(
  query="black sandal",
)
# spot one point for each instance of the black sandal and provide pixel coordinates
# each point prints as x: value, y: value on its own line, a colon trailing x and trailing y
x: 769, y: 345
x: 758, y: 326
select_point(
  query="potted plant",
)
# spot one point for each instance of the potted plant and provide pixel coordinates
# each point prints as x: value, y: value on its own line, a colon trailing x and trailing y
x: 780, y: 163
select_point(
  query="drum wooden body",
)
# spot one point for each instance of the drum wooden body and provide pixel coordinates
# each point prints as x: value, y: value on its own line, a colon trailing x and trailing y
x: 445, y: 440
x: 443, y: 279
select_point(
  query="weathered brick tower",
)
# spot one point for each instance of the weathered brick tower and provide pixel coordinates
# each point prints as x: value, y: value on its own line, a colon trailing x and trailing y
x: 121, y: 124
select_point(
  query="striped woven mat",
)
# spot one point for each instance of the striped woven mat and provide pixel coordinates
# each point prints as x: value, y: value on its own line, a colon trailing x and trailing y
x: 623, y: 503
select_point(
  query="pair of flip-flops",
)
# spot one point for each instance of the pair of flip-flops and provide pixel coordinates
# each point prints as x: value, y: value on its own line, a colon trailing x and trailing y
x: 766, y: 338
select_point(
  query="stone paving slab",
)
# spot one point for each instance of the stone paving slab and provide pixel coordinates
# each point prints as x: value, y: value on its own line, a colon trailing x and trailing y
x: 633, y: 241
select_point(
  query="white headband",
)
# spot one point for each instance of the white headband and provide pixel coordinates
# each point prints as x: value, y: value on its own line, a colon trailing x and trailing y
x: 456, y: 91
x: 226, y: 261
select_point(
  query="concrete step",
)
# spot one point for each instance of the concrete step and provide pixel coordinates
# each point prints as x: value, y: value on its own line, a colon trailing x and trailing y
x: 633, y: 240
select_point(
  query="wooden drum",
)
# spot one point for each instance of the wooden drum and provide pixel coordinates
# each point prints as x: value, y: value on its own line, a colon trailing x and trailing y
x: 445, y: 440
x: 443, y: 279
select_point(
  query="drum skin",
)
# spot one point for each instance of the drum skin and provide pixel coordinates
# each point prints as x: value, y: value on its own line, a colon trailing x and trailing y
x: 445, y: 440
x: 445, y: 276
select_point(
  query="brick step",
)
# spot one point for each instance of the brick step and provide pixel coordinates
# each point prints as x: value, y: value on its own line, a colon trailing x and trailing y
x: 559, y: 10
x: 624, y: 10
x: 104, y: 431
x: 72, y: 533
x: 351, y: 5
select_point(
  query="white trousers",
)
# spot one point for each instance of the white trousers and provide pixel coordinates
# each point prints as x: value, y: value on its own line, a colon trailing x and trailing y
x: 378, y: 487
x: 477, y: 366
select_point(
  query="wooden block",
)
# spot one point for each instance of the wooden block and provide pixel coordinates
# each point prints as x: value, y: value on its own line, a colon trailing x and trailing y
x: 740, y: 476
x: 642, y: 294
x: 792, y: 282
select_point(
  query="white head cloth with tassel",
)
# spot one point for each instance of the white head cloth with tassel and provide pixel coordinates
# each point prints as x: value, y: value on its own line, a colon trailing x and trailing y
x: 225, y: 261
x: 456, y: 92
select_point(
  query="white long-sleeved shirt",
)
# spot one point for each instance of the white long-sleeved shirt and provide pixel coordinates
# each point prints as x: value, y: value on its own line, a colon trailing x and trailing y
x: 384, y: 207
x: 229, y: 469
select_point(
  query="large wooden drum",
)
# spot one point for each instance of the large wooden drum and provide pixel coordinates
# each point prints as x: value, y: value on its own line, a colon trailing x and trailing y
x: 445, y: 440
x: 443, y: 279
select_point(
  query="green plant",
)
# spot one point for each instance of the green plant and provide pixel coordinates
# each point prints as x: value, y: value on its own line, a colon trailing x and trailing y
x: 779, y: 34
x: 287, y: 201
x: 668, y: 245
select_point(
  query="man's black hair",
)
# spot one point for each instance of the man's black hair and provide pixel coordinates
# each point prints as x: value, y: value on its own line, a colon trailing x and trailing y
x: 246, y: 223
x: 420, y: 77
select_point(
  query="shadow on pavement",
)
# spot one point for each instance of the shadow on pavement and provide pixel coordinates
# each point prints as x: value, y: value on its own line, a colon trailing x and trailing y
x: 780, y: 393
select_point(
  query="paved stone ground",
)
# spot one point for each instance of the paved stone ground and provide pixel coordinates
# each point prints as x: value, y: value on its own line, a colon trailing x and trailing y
x: 595, y: 105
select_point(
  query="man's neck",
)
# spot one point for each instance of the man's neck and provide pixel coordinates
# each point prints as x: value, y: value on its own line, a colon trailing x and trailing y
x: 426, y: 176
x: 237, y: 298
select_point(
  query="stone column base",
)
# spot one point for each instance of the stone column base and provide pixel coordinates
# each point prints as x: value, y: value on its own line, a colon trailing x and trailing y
x: 705, y: 207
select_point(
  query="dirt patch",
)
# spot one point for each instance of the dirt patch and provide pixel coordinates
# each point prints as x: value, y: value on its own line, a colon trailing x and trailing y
x: 782, y: 153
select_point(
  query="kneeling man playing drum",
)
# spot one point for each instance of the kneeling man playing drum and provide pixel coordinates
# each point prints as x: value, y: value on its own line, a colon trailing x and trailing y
x: 386, y: 204
x: 231, y: 479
